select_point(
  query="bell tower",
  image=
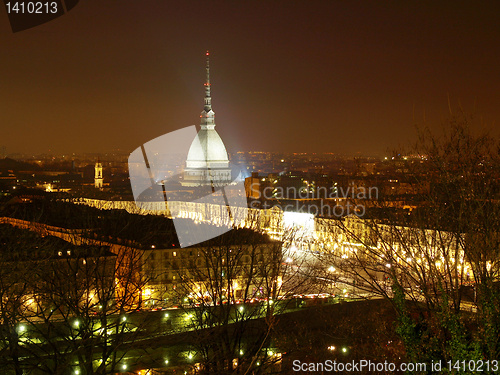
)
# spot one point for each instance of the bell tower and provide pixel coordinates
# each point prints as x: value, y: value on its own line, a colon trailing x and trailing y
x: 98, y: 175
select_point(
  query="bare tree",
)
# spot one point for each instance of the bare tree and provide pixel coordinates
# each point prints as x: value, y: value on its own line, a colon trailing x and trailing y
x: 442, y: 255
x: 75, y: 302
x: 233, y: 289
x: 16, y: 248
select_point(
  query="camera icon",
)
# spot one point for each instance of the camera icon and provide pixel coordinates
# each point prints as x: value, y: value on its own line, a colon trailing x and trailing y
x: 199, y: 213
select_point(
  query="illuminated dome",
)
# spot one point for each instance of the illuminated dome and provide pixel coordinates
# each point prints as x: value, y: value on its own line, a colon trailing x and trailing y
x: 207, y: 162
x: 207, y: 151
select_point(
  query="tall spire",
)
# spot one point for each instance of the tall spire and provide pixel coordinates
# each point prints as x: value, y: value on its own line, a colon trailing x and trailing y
x: 208, y: 99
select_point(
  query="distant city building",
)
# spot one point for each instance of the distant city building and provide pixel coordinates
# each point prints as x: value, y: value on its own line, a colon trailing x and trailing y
x: 98, y: 181
x: 207, y: 162
x: 253, y: 186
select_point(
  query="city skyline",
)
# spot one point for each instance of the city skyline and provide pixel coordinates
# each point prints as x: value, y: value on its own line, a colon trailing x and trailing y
x: 316, y: 77
x: 336, y: 203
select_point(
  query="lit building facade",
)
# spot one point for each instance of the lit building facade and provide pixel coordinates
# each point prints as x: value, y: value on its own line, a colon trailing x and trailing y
x: 98, y: 180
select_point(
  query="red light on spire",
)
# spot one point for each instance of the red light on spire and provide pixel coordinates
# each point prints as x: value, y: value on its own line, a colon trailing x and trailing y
x: 208, y: 53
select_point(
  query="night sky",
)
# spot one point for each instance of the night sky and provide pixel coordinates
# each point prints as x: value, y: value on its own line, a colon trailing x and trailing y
x: 293, y: 76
